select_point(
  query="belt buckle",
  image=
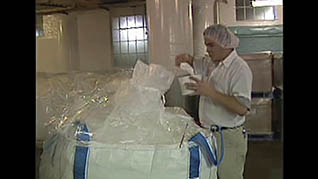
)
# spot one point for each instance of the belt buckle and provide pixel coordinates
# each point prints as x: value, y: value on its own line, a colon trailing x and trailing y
x: 214, y: 128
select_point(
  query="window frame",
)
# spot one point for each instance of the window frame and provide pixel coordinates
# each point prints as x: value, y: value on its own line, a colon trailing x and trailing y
x: 128, y: 58
x: 253, y: 17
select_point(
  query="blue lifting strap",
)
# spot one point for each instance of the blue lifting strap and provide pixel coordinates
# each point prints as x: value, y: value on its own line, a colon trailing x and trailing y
x: 210, y: 155
x: 81, y: 153
x: 195, y: 162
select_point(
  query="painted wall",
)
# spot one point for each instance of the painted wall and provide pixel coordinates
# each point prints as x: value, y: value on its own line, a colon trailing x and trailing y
x: 94, y: 40
x: 53, y: 51
x: 80, y: 41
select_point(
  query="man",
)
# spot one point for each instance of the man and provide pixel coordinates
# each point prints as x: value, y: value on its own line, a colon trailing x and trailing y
x: 225, y: 95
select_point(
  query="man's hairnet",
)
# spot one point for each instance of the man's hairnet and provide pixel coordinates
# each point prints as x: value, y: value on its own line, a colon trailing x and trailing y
x: 222, y: 35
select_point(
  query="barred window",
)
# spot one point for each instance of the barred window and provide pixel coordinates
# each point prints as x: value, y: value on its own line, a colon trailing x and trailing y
x: 245, y: 12
x: 130, y: 40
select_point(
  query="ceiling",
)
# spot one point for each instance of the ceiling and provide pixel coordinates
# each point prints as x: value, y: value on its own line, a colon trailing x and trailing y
x: 65, y: 6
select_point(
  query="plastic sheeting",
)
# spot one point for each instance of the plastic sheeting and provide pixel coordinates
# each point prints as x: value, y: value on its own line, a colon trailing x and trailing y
x: 71, y: 96
x: 118, y: 109
x: 132, y: 134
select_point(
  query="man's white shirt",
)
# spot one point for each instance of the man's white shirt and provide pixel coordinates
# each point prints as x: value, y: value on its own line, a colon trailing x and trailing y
x: 232, y: 77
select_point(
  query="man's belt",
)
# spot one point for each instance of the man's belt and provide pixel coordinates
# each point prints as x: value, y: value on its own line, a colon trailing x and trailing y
x: 214, y: 128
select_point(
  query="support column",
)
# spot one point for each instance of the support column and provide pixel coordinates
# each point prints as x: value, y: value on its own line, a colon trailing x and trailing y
x: 170, y: 30
x: 203, y: 16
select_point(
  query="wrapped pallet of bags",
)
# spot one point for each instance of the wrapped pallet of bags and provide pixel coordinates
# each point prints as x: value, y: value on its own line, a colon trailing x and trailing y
x: 131, y: 135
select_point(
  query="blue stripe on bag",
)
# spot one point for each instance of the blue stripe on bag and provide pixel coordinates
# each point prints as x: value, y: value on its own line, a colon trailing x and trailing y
x: 205, y: 148
x: 209, y: 155
x: 81, y: 154
x: 194, y: 162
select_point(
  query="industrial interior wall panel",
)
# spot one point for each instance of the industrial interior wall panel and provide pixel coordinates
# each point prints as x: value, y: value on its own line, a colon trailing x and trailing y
x: 46, y: 55
x: 57, y: 49
x: 94, y: 40
x: 203, y: 16
x: 52, y: 48
x: 256, y: 39
x: 261, y: 66
x: 170, y: 30
x: 278, y: 70
x: 259, y: 44
x: 71, y: 31
x: 259, y: 120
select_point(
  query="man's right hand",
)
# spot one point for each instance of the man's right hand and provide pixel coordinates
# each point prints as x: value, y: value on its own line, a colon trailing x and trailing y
x: 184, y: 58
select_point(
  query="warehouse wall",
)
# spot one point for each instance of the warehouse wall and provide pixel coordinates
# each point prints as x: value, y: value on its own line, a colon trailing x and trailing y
x: 54, y: 51
x: 78, y: 41
x: 94, y: 39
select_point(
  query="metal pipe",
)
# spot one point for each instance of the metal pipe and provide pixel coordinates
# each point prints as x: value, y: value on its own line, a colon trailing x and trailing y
x: 217, y: 12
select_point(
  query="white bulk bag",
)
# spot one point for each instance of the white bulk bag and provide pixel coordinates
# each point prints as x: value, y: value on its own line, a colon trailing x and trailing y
x: 121, y: 161
x: 129, y: 136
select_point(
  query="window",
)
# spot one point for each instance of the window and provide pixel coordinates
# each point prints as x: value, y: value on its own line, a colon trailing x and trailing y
x: 245, y: 12
x: 130, y: 40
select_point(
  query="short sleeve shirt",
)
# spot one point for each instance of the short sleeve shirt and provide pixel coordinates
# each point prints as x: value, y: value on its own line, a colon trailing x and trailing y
x: 232, y: 77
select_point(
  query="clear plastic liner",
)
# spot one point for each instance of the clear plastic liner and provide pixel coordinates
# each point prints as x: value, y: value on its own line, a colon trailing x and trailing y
x: 152, y: 76
x: 75, y: 96
x: 118, y: 108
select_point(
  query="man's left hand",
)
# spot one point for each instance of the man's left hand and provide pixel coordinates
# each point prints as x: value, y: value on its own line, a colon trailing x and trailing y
x: 200, y: 87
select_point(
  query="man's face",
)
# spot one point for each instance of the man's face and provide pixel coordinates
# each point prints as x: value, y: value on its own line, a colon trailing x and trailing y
x: 215, y: 51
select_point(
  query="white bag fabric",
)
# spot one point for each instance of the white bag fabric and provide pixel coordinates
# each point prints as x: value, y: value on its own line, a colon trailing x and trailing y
x: 121, y: 161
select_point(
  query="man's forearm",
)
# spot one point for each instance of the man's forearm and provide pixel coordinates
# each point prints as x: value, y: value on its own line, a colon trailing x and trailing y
x: 229, y: 102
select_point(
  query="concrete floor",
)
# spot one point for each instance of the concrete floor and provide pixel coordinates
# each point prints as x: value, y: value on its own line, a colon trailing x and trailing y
x: 264, y: 160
